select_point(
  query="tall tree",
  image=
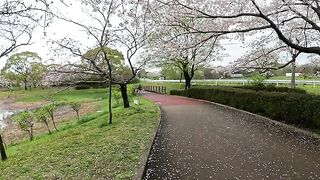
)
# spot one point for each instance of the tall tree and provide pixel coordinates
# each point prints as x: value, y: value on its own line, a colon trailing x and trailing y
x: 187, y: 51
x: 98, y: 26
x: 18, y: 20
x: 121, y: 73
x: 25, y: 67
x: 129, y: 33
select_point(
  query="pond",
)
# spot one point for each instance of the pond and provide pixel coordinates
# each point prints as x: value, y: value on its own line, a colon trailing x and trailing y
x: 3, y: 115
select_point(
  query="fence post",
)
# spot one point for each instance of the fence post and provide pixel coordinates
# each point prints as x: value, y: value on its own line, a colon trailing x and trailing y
x: 216, y: 82
x: 165, y: 90
x: 314, y: 84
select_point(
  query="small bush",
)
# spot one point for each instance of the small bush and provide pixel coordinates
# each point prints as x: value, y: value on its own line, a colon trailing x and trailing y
x: 257, y: 79
x: 87, y: 118
x: 116, y: 96
x: 293, y: 108
x: 99, y: 86
x: 80, y: 87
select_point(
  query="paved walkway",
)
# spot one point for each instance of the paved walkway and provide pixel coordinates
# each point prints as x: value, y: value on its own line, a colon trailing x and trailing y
x: 203, y: 141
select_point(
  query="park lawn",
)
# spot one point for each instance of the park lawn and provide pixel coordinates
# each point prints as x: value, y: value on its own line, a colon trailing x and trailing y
x: 88, y: 149
x: 310, y: 89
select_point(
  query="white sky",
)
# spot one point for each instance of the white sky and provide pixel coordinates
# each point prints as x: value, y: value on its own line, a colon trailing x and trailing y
x: 60, y: 29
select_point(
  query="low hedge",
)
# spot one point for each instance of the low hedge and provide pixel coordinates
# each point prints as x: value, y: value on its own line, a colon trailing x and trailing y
x: 292, y: 108
x: 271, y: 88
x: 81, y: 87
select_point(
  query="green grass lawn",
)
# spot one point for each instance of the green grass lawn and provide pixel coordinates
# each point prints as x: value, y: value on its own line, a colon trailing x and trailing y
x: 88, y: 149
x: 310, y: 89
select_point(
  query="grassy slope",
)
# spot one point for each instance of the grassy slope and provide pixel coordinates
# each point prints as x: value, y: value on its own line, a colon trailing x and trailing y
x: 89, y: 149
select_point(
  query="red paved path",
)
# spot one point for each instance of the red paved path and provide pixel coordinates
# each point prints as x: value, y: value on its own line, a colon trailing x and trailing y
x: 198, y: 140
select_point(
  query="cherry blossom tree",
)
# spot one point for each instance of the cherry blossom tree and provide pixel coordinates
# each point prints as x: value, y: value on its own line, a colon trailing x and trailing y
x: 98, y: 27
x: 285, y: 19
x: 171, y: 44
x: 135, y: 30
x: 110, y: 24
x: 266, y: 55
x: 18, y: 20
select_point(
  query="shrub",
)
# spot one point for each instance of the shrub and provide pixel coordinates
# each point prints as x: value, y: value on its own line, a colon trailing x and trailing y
x: 99, y: 86
x: 256, y: 79
x: 292, y: 108
x: 50, y: 109
x: 75, y: 106
x: 80, y: 87
x: 25, y: 121
x: 271, y: 88
x: 41, y: 115
x: 116, y: 96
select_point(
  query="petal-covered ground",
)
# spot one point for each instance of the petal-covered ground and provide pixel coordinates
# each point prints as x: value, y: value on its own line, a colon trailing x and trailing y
x: 198, y: 140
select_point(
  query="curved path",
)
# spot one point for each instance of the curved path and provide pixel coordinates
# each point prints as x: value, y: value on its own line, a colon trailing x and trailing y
x: 198, y: 140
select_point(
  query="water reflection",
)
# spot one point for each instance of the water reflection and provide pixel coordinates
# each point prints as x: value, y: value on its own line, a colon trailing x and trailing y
x: 3, y: 115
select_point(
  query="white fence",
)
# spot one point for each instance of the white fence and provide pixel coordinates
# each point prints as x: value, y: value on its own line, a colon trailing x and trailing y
x: 239, y: 81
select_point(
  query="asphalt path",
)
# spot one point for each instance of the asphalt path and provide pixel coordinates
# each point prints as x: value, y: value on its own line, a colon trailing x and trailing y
x: 199, y: 140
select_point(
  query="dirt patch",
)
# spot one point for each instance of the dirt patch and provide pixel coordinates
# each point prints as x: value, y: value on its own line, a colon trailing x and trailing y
x: 11, y: 105
x: 13, y: 134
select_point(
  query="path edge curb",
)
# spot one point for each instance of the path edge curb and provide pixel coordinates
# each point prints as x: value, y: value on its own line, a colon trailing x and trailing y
x: 141, y: 167
x: 288, y: 126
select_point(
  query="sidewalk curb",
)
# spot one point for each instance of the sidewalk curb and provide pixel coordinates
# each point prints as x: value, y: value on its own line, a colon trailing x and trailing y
x: 141, y: 167
x: 287, y: 126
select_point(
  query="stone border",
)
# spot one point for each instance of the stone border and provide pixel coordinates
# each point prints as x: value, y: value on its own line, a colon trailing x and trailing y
x: 289, y: 127
x: 141, y: 167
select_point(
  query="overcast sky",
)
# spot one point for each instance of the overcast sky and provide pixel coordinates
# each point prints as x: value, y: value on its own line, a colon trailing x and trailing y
x: 60, y: 29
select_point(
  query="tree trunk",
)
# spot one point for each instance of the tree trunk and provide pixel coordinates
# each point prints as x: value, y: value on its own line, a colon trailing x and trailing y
x: 293, y: 76
x: 31, y: 134
x: 110, y: 101
x: 53, y: 122
x: 47, y: 127
x: 2, y: 150
x: 25, y: 85
x: 124, y: 94
x: 78, y: 116
x: 188, y: 80
x: 110, y: 84
x: 188, y: 84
